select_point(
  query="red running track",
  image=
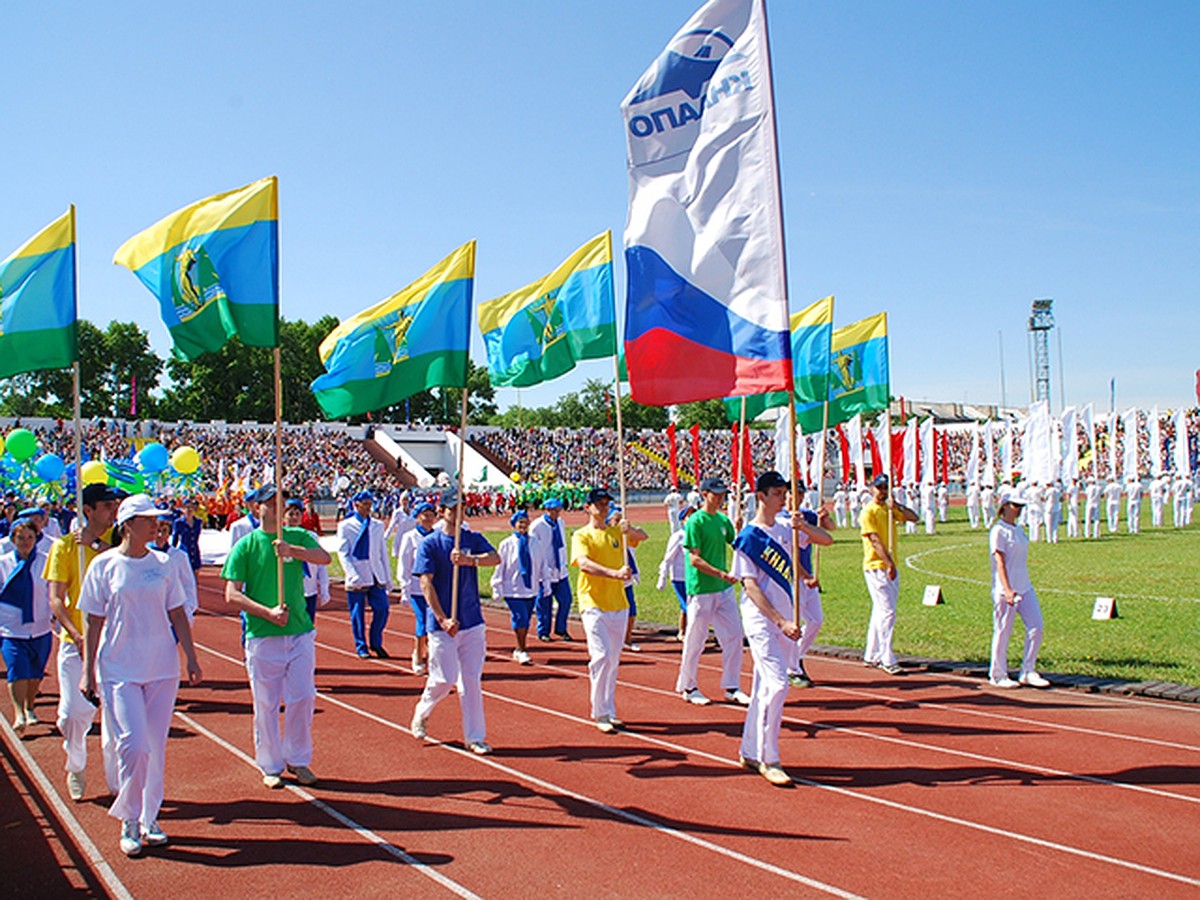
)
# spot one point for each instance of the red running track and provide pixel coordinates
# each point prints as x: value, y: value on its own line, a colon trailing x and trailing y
x: 929, y: 784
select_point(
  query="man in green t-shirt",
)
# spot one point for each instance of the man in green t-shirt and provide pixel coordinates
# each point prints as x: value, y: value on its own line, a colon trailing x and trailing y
x: 708, y: 533
x: 280, y: 642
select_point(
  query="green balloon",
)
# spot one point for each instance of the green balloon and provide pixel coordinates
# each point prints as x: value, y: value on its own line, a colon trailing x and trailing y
x: 21, y: 444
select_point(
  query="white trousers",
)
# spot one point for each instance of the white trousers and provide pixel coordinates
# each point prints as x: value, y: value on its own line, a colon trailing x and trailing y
x: 884, y: 593
x: 605, y: 637
x: 1113, y: 512
x: 973, y: 513
x: 1073, y: 521
x: 720, y: 611
x: 1133, y: 516
x: 282, y: 669
x: 929, y: 520
x: 764, y: 716
x: 814, y: 617
x: 1156, y: 512
x: 458, y: 661
x: 76, y: 715
x: 1091, y: 521
x: 1003, y: 617
x: 140, y: 717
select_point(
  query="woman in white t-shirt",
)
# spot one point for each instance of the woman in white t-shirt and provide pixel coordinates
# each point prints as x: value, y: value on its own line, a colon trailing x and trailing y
x: 131, y: 598
x: 1012, y: 594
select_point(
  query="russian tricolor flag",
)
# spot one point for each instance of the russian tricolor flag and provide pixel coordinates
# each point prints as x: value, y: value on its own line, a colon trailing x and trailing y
x: 707, y: 312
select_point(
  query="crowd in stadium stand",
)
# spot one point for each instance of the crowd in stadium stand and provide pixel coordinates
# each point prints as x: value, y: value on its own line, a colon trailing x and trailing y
x: 316, y: 460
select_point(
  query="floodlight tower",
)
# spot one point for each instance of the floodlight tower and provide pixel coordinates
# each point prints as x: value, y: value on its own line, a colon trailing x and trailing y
x: 1040, y: 324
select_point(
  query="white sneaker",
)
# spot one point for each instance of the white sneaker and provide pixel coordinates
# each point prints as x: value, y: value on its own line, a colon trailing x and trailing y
x: 479, y: 748
x: 521, y: 657
x: 1033, y: 679
x: 775, y: 774
x: 131, y: 838
x: 417, y: 727
x: 696, y: 697
x: 604, y: 723
x: 153, y: 836
x: 1006, y: 683
x: 418, y: 667
x: 738, y: 696
x: 76, y: 785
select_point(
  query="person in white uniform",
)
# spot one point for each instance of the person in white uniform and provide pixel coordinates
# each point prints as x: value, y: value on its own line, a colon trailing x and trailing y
x: 1091, y: 509
x: 973, y: 510
x: 133, y: 601
x: 1133, y: 505
x: 840, y: 499
x: 426, y: 518
x: 1157, y: 498
x: 1051, y: 512
x: 363, y: 555
x: 1071, y: 502
x: 928, y: 509
x: 1034, y: 510
x: 515, y: 580
x: 1112, y: 504
x: 1012, y: 595
x: 987, y: 509
x: 400, y: 523
x: 762, y: 562
x: 674, y: 504
x: 943, y: 501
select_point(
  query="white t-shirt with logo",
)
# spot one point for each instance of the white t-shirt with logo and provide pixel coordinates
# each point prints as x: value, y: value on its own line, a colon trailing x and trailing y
x: 134, y: 596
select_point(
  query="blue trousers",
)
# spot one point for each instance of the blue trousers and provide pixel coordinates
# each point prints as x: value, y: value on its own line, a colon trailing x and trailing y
x: 560, y: 591
x: 377, y: 597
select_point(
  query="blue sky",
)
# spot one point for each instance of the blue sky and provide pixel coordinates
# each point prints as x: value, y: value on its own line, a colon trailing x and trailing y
x: 948, y: 162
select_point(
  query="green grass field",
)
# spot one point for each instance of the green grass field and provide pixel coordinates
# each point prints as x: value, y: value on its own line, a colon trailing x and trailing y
x: 1150, y: 575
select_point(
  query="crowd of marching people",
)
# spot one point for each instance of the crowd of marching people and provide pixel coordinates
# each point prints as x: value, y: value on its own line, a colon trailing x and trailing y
x: 116, y: 581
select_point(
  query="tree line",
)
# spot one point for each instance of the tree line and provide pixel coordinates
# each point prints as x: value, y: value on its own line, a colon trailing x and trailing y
x: 122, y: 377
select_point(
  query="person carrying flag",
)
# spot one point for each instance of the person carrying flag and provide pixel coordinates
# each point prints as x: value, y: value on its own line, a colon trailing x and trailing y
x: 762, y: 562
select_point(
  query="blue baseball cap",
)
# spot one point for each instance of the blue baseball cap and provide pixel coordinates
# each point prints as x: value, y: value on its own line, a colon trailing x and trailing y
x: 552, y: 503
x: 517, y: 517
x: 294, y: 503
x: 363, y: 495
x: 769, y: 479
x: 423, y: 507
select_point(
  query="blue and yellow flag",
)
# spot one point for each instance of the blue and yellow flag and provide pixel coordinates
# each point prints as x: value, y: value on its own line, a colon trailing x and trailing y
x: 214, y: 267
x: 812, y: 331
x: 542, y: 330
x: 858, y: 374
x: 416, y: 339
x: 37, y: 301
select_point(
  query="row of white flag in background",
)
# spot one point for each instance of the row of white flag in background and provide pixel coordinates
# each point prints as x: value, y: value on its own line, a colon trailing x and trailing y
x: 1040, y: 446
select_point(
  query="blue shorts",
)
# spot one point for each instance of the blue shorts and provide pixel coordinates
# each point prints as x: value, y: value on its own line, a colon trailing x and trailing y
x: 419, y: 607
x: 25, y: 658
x: 520, y: 610
x: 632, y: 602
x: 680, y: 594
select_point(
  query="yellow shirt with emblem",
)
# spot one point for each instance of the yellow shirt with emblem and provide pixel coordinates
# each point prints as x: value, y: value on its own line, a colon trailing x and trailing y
x: 62, y: 565
x: 874, y: 520
x: 603, y: 546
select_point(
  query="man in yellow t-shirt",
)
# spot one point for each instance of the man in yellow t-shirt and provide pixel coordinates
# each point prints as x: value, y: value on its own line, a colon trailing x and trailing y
x: 76, y: 712
x: 597, y: 551
x: 879, y: 571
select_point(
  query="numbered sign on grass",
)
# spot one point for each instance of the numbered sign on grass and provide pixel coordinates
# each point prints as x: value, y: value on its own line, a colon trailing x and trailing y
x: 933, y: 595
x: 1105, y: 608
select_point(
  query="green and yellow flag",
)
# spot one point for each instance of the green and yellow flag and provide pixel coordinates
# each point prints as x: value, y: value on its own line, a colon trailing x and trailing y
x: 541, y: 331
x: 416, y: 339
x: 214, y: 267
x: 37, y: 301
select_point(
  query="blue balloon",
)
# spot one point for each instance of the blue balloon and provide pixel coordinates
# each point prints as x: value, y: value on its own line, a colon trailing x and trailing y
x: 153, y: 457
x: 50, y: 467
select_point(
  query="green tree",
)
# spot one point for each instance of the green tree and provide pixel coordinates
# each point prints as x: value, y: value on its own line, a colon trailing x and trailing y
x: 128, y: 359
x: 709, y: 414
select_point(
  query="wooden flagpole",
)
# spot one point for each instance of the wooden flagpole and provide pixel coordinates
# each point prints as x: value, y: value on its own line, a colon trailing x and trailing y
x: 821, y: 484
x: 620, y: 455
x: 279, y: 471
x: 739, y: 462
x: 75, y: 411
x: 458, y: 515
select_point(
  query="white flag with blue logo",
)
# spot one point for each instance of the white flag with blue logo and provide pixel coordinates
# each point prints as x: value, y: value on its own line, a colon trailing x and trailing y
x: 707, y: 308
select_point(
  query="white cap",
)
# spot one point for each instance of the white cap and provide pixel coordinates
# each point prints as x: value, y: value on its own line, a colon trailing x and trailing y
x: 1012, y: 495
x: 136, y: 505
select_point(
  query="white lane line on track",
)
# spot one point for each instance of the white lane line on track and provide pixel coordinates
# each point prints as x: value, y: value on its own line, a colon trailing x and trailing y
x: 361, y: 830
x: 846, y: 792
x: 95, y: 859
x: 910, y: 562
x: 545, y: 785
